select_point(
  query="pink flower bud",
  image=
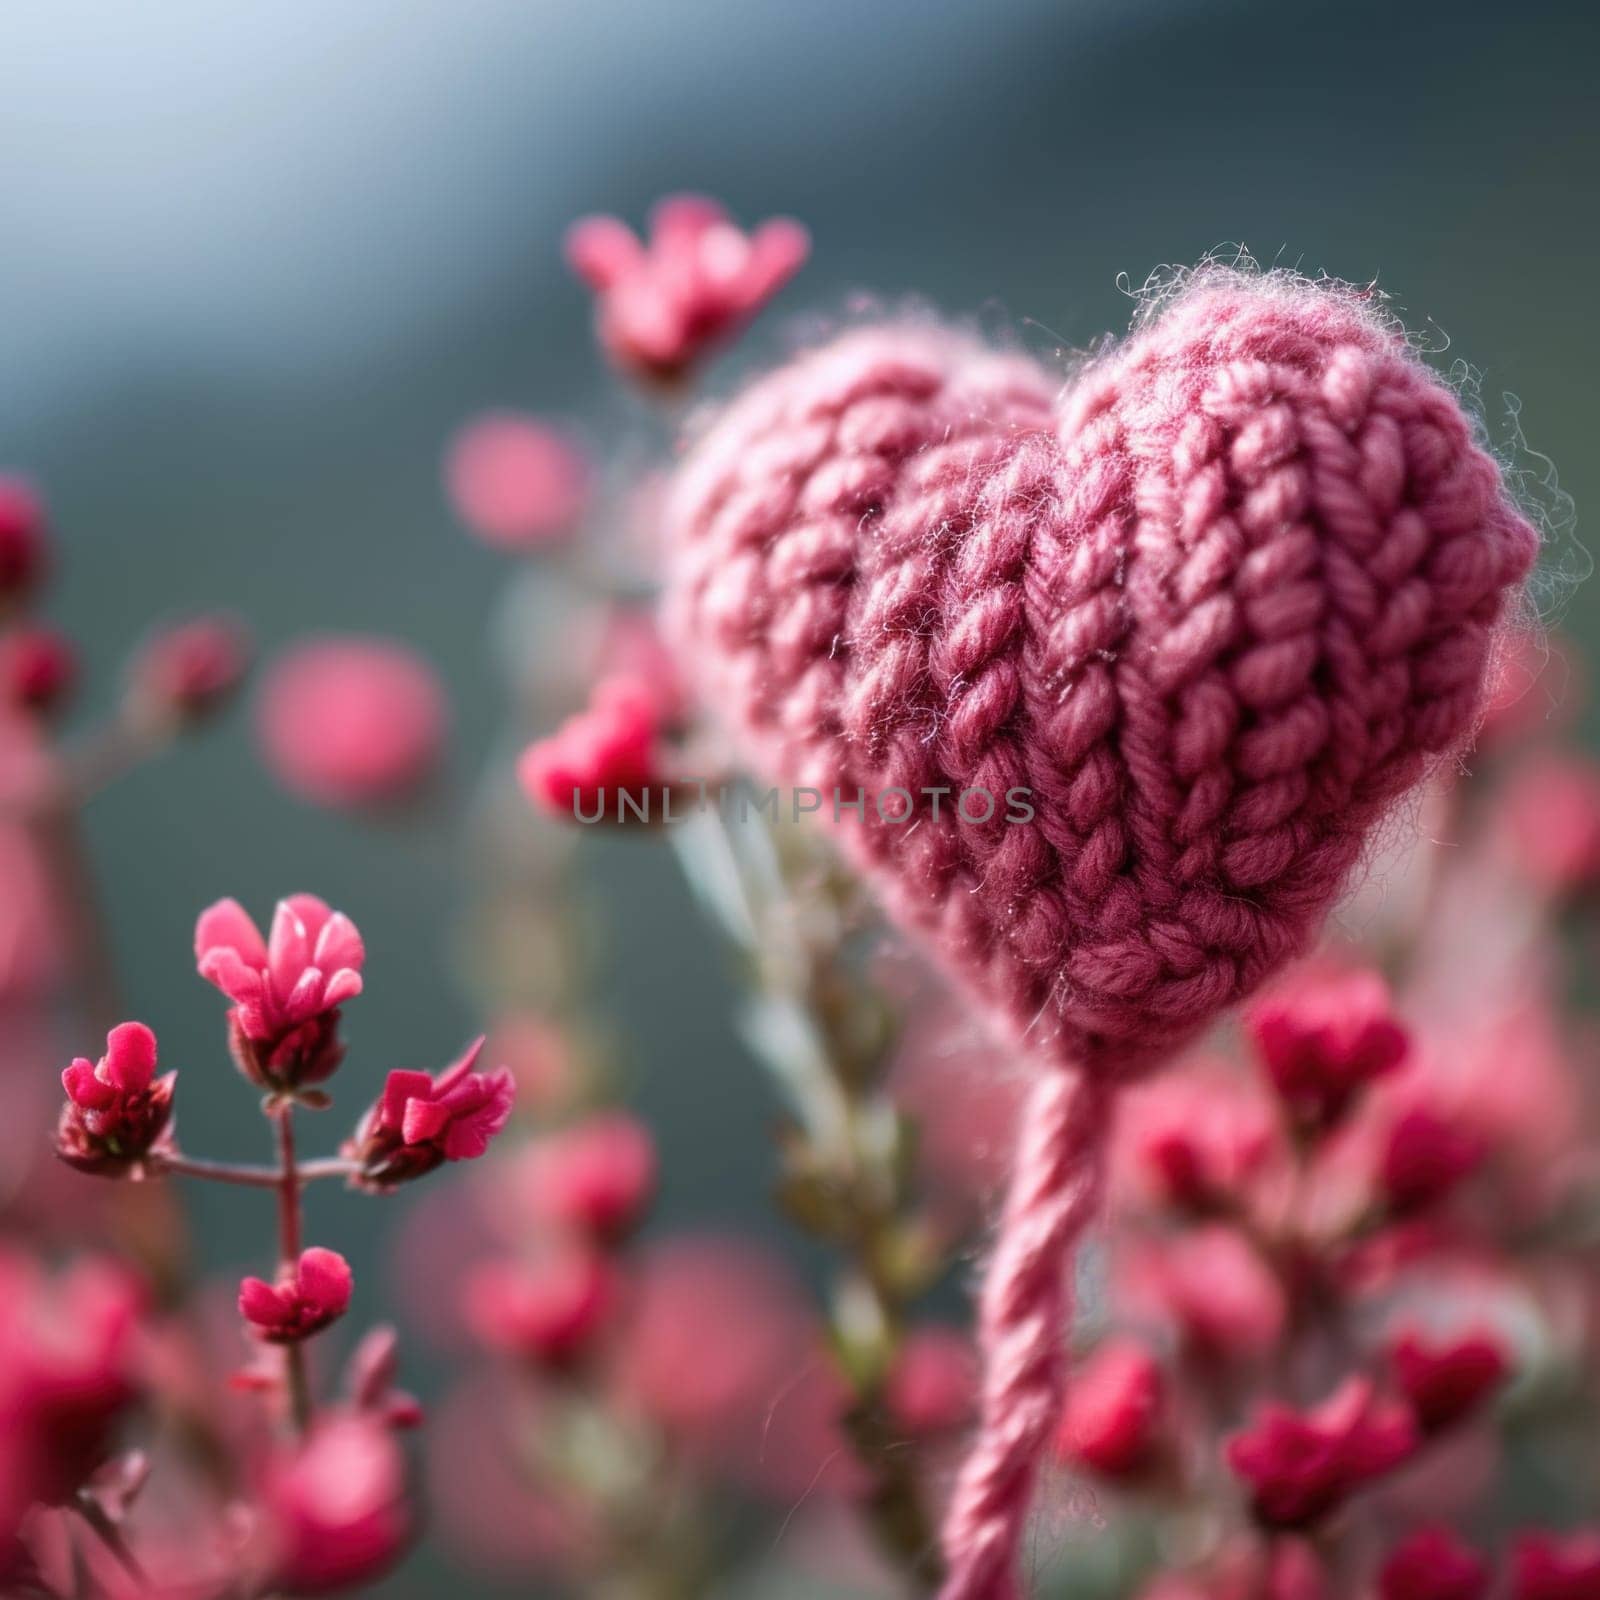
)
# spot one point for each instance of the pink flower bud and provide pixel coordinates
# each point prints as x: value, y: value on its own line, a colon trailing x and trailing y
x: 351, y: 722
x: 932, y: 1387
x: 1425, y: 1155
x: 287, y: 989
x: 38, y: 670
x: 369, y: 1380
x: 1113, y: 1416
x: 1212, y: 1284
x: 661, y: 306
x: 605, y: 751
x: 303, y: 1301
x: 1447, y: 1380
x: 185, y: 673
x: 421, y: 1121
x: 515, y: 481
x: 117, y: 1110
x: 1299, y: 1466
x: 1547, y: 1566
x: 596, y: 1177
x: 24, y: 552
x: 1323, y: 1039
x: 335, y: 1509
x: 1197, y: 1140
x: 550, y: 1314
x: 1433, y: 1564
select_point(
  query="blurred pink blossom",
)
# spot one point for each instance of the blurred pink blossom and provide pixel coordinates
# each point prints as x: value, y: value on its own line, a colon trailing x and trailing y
x: 550, y: 1312
x: 349, y: 721
x: 595, y: 1177
x: 606, y: 750
x: 1433, y: 1564
x: 1113, y: 1419
x: 24, y: 552
x: 932, y: 1387
x: 661, y: 305
x: 187, y: 671
x: 1447, y: 1379
x: 1547, y: 1566
x: 335, y: 1508
x: 38, y: 669
x: 1300, y: 1465
x: 516, y: 481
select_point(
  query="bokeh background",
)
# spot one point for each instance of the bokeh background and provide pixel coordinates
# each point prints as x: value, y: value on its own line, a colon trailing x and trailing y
x: 257, y: 261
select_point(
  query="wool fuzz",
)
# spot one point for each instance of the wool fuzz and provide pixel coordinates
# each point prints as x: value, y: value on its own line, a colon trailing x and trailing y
x: 1217, y: 606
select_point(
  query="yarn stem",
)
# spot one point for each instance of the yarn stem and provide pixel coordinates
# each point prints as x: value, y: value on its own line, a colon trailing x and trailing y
x: 1023, y: 1313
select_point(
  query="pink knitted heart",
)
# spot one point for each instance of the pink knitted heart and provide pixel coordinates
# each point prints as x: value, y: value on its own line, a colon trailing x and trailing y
x: 1216, y: 606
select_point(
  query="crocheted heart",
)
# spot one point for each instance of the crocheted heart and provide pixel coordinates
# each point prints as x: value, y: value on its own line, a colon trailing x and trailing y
x: 1213, y: 608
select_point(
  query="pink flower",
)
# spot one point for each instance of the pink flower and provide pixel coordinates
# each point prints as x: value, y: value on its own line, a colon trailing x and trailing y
x: 421, y: 1121
x: 1550, y: 820
x: 66, y: 1363
x: 369, y: 1380
x: 186, y: 672
x: 1547, y: 1566
x: 1197, y: 1140
x: 661, y: 306
x: 1323, y: 1039
x: 117, y: 1111
x: 1425, y: 1154
x: 286, y: 989
x: 607, y: 750
x: 1301, y: 1465
x: 38, y: 669
x: 596, y: 1177
x: 23, y: 550
x: 1447, y: 1380
x: 932, y: 1387
x: 350, y: 721
x: 550, y: 1314
x: 335, y: 1508
x: 1212, y: 1283
x: 1113, y: 1415
x: 1433, y: 1564
x: 304, y: 1300
x: 515, y: 481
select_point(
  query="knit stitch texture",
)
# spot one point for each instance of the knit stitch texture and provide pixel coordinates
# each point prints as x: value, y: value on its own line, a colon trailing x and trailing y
x: 1217, y: 606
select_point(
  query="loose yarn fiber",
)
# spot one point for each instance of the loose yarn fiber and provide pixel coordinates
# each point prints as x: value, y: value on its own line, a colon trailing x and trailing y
x: 1217, y: 605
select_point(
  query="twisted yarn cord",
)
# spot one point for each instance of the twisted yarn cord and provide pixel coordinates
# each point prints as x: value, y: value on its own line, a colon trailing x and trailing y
x: 1054, y: 1195
x: 1215, y: 608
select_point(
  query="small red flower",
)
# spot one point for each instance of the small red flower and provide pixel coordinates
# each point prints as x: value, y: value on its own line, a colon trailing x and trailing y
x: 1301, y: 1465
x: 187, y: 672
x: 1433, y: 1564
x: 117, y: 1110
x: 1547, y: 1566
x: 1323, y: 1040
x: 303, y: 1301
x: 335, y: 1510
x: 932, y: 1387
x: 515, y: 481
x: 661, y: 305
x: 1196, y: 1141
x: 1425, y: 1154
x: 1113, y: 1415
x: 38, y: 669
x: 596, y: 1177
x: 23, y: 549
x: 286, y: 989
x: 549, y: 1314
x: 421, y: 1121
x: 607, y: 750
x: 1447, y: 1380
